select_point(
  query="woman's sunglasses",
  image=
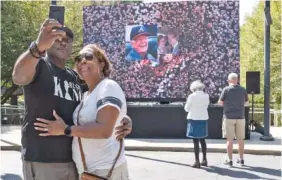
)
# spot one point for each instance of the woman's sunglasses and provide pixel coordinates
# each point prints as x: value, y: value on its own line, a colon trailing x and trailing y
x: 86, y: 56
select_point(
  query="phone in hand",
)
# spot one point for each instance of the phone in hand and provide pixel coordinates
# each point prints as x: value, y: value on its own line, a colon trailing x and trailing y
x: 57, y: 13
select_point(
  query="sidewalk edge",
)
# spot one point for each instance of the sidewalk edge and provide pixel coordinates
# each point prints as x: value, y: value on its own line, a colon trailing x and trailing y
x: 174, y: 149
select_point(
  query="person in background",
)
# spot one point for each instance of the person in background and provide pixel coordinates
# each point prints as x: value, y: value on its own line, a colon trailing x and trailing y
x: 162, y: 48
x: 233, y: 98
x: 197, y: 127
x: 173, y: 39
x: 139, y: 39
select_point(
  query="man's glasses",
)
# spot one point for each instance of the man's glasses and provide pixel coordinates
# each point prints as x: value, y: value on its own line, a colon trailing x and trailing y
x: 86, y: 56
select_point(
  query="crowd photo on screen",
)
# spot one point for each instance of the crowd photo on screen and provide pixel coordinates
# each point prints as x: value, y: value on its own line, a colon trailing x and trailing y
x: 158, y: 49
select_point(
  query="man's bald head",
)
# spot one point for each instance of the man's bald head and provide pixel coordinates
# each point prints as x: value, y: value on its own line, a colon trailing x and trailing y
x: 233, y: 78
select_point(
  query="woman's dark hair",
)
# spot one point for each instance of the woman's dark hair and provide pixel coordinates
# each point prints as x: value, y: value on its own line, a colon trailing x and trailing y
x: 161, y: 37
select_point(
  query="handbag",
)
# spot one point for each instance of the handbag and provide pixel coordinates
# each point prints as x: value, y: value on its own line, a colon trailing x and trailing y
x: 90, y: 176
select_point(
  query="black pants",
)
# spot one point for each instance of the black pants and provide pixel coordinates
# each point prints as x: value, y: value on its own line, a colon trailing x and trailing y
x: 197, y: 149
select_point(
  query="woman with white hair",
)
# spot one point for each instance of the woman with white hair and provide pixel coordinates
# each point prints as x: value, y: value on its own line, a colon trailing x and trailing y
x: 197, y: 127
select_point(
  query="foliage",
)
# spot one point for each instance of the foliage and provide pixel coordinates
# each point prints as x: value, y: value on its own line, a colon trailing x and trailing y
x: 252, y: 49
x: 19, y: 25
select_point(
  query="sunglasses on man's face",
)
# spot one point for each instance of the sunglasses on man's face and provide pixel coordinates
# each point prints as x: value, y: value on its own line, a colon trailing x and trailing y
x: 86, y: 56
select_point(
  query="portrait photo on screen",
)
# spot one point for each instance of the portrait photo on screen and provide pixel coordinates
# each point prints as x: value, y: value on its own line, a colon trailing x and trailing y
x: 141, y: 44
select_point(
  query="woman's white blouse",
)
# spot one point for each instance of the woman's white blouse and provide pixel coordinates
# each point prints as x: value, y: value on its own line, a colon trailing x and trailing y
x: 99, y: 153
x: 197, y: 106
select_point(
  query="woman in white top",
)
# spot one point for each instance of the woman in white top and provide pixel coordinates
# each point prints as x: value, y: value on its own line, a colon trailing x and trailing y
x: 101, y: 110
x: 197, y: 127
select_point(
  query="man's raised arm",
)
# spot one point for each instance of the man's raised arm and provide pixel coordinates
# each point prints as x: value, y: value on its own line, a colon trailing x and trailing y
x: 25, y: 66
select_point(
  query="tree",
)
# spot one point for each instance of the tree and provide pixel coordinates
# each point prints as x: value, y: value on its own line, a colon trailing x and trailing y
x: 252, y: 48
x: 19, y: 26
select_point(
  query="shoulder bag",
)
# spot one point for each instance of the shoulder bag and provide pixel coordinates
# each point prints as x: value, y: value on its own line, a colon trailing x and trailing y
x: 89, y: 176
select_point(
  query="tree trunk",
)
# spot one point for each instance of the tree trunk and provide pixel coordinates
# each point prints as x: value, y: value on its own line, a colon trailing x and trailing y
x: 9, y: 92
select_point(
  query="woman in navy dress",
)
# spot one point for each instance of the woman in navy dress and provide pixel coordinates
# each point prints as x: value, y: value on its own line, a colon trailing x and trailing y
x: 197, y: 126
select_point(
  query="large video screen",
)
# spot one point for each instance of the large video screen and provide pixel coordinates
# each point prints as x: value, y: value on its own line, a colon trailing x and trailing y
x: 158, y: 49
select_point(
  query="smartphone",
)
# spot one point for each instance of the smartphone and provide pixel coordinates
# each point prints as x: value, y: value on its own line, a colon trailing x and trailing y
x: 57, y: 13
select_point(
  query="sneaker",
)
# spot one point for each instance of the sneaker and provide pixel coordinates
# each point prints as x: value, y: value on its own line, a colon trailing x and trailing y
x: 229, y: 163
x: 240, y: 161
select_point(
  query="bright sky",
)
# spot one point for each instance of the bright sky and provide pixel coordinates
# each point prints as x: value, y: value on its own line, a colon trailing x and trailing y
x: 246, y: 6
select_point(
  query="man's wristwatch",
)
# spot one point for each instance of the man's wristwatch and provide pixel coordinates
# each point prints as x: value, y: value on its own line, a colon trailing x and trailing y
x: 34, y: 51
x: 67, y: 131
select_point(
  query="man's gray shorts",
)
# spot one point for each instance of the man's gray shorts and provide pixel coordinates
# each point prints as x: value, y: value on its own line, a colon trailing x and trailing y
x: 49, y: 171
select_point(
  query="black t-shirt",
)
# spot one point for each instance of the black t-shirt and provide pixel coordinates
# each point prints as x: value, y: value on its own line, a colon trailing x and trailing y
x: 56, y: 89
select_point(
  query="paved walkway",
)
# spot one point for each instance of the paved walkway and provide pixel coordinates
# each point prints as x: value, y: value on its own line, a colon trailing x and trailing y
x: 152, y: 165
x: 11, y: 140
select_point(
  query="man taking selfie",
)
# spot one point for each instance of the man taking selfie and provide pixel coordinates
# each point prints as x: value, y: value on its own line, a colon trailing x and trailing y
x: 49, y: 85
